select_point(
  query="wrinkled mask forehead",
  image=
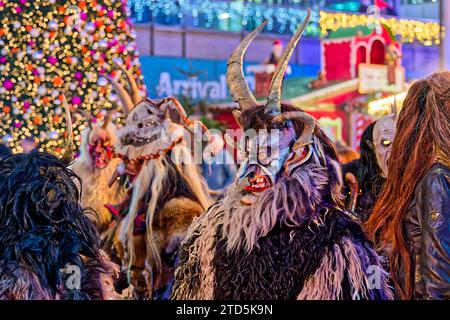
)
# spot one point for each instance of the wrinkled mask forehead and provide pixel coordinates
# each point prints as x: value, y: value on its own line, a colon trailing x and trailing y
x: 383, y: 136
x: 99, y: 134
x: 268, y: 149
x: 145, y: 109
x: 384, y: 129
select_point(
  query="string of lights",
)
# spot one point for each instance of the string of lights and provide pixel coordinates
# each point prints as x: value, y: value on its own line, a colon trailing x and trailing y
x: 427, y: 33
x: 53, y: 48
x: 241, y: 15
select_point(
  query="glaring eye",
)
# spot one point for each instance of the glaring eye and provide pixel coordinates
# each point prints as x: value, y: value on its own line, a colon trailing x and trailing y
x: 150, y: 123
x: 386, y: 142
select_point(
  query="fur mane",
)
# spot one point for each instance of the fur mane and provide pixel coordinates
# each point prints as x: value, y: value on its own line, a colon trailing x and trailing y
x: 293, y: 201
x: 43, y: 229
x: 150, y: 180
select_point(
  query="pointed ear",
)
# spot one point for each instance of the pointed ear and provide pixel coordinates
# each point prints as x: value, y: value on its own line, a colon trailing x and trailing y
x: 175, y: 112
x: 174, y: 115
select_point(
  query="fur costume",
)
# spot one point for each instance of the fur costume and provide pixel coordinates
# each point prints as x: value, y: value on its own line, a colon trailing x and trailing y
x: 168, y: 190
x: 44, y: 232
x: 281, y: 231
x: 95, y: 166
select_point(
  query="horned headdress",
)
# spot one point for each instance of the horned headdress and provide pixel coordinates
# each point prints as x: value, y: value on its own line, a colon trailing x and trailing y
x: 243, y: 96
x: 158, y: 163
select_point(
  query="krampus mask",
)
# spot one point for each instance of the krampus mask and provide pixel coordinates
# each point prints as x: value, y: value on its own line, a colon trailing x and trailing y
x: 95, y: 166
x: 281, y: 231
x: 167, y: 188
x: 99, y: 139
x: 383, y: 136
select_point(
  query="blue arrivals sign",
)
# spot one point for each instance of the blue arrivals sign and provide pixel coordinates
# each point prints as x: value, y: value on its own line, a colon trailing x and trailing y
x: 198, y: 79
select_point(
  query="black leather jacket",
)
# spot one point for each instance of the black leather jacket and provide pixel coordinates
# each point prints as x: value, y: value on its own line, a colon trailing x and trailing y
x: 427, y: 231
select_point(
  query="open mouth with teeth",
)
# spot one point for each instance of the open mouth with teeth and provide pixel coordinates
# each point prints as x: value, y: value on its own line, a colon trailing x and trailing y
x: 258, y: 183
x: 100, y: 158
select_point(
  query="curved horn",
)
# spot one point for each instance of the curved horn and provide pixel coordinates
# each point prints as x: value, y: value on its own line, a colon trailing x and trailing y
x: 308, y: 122
x: 127, y: 103
x: 135, y: 96
x: 239, y: 89
x: 106, y: 120
x: 68, y: 154
x: 394, y: 106
x: 274, y: 97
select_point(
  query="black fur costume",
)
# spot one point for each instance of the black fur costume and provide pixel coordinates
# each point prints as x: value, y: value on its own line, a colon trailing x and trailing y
x: 43, y: 230
x: 367, y: 173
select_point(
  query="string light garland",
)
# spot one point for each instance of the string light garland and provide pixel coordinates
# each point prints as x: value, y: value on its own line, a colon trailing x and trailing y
x: 52, y: 48
x: 228, y: 16
x: 239, y: 15
x: 427, y: 33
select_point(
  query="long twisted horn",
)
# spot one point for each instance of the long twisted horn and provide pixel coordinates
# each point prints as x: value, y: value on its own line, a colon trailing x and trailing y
x: 239, y: 89
x: 127, y: 103
x: 68, y: 154
x: 274, y: 97
x: 308, y: 125
x: 136, y: 97
x: 394, y: 106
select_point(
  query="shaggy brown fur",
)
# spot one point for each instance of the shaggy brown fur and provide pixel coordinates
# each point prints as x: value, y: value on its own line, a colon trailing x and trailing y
x: 175, y: 209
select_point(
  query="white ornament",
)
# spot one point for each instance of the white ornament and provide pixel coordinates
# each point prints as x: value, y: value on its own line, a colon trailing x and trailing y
x: 53, y: 25
x: 35, y: 33
x: 102, y: 81
x: 42, y: 90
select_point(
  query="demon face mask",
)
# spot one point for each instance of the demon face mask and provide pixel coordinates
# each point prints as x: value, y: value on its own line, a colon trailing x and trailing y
x: 383, y: 136
x: 275, y: 143
x: 100, y: 140
x: 153, y: 127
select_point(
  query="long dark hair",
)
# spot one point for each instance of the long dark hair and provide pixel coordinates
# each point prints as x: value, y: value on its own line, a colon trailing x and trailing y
x: 366, y: 168
x: 43, y: 228
x: 368, y: 172
x: 422, y: 138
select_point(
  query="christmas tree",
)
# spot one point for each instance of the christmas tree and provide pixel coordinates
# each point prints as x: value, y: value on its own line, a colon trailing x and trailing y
x: 50, y: 49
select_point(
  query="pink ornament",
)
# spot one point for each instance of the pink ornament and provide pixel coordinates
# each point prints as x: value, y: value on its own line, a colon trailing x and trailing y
x: 2, y: 4
x: 78, y: 75
x: 18, y: 10
x: 110, y: 14
x: 26, y: 104
x: 17, y: 124
x: 2, y: 59
x: 52, y: 60
x: 121, y: 49
x: 8, y: 84
x: 23, y: 2
x: 83, y: 16
x: 31, y: 43
x: 76, y: 100
x: 35, y: 72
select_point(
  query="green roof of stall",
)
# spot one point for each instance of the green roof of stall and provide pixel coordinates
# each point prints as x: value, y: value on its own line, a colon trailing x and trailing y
x: 350, y: 32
